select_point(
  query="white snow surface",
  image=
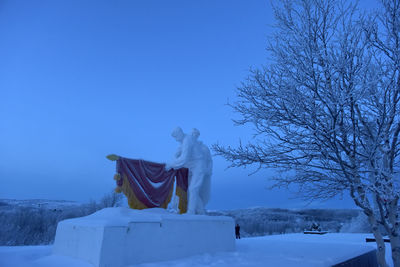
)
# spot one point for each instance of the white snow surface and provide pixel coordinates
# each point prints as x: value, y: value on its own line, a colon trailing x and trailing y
x: 275, y: 250
x: 121, y: 216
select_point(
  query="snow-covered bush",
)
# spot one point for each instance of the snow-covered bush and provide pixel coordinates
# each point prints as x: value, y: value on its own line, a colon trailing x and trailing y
x: 36, y: 225
x: 358, y: 224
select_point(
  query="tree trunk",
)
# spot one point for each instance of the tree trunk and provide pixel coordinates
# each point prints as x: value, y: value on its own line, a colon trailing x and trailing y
x: 392, y: 227
x: 395, y: 244
x: 380, y: 251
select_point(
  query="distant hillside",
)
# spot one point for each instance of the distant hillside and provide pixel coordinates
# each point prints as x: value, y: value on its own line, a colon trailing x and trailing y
x: 267, y: 221
x: 34, y: 222
x: 38, y: 203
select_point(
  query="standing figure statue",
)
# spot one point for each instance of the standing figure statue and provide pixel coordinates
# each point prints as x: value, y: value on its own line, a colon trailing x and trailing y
x: 195, y: 156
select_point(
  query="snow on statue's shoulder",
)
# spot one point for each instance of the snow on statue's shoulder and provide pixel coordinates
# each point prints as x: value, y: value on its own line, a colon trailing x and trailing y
x: 123, y: 236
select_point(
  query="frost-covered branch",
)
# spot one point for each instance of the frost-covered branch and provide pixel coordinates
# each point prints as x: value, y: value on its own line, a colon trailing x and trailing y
x: 325, y: 109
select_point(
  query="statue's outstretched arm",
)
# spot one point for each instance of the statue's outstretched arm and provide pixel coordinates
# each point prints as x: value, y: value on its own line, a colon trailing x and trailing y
x: 180, y: 161
x: 112, y: 157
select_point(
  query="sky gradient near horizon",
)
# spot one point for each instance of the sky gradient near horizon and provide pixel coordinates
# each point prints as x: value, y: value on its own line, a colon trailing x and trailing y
x: 83, y: 79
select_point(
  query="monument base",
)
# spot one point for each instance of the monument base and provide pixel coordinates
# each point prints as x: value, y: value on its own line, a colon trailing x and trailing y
x: 122, y: 236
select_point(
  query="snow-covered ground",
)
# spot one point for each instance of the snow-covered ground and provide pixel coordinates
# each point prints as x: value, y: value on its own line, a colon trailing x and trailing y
x: 275, y: 250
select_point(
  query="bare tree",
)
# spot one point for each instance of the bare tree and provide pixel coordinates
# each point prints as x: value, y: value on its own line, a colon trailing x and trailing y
x: 325, y: 109
x: 111, y: 199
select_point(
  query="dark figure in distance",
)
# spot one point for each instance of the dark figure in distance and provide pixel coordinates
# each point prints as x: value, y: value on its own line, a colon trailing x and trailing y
x: 237, y: 231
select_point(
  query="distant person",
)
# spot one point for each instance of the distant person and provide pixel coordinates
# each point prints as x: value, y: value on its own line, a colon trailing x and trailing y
x: 237, y: 231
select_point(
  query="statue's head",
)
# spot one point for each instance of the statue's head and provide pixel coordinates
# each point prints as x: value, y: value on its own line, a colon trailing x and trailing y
x: 178, y: 134
x: 195, y: 133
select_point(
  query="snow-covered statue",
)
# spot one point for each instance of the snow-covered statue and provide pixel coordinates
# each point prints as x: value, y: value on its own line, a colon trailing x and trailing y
x: 195, y: 156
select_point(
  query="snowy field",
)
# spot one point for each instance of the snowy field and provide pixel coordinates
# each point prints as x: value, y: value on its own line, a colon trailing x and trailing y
x: 276, y: 250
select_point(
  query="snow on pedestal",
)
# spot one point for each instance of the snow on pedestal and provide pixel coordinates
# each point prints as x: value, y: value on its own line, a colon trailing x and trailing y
x: 122, y: 236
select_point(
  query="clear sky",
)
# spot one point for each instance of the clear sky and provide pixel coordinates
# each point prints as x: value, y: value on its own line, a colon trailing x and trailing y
x: 83, y: 79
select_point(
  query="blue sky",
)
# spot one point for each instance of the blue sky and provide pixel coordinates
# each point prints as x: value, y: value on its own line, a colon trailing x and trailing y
x: 83, y: 79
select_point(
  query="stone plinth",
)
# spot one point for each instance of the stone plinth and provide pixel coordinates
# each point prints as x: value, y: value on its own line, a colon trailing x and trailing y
x: 122, y: 236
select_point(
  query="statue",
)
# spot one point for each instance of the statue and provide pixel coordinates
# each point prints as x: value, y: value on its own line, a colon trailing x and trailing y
x: 195, y: 156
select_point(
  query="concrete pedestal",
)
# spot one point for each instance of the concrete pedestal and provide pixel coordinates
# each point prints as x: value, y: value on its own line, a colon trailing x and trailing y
x: 116, y: 237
